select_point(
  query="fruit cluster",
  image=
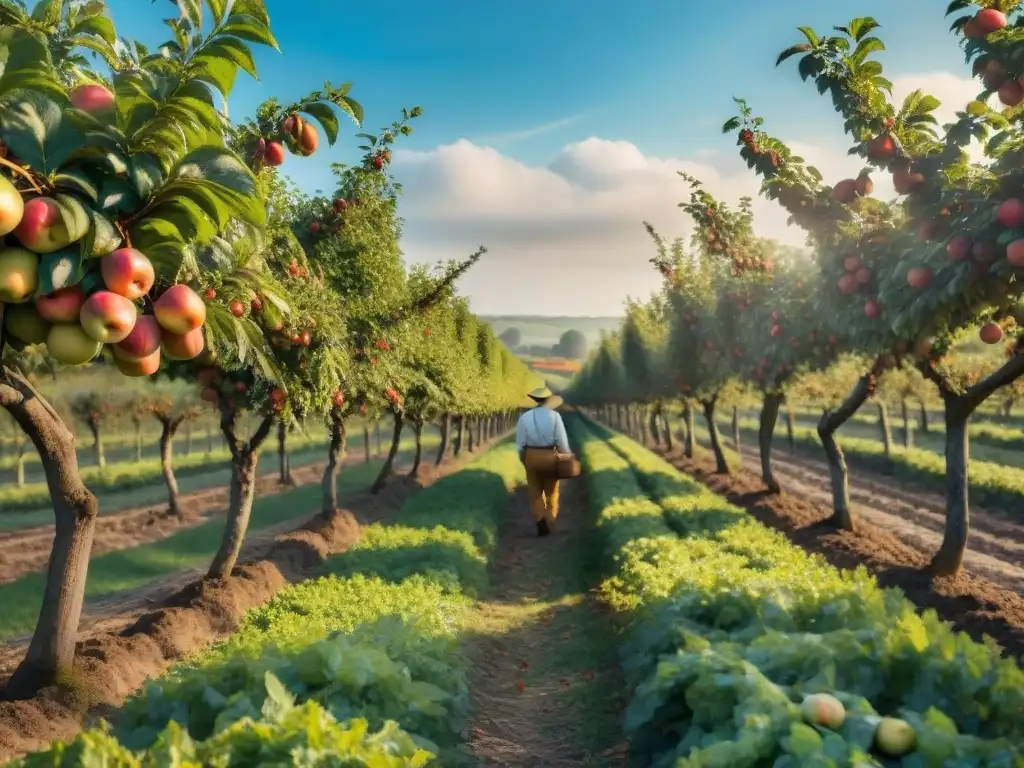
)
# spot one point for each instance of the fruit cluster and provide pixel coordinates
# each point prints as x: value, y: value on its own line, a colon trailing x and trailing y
x: 300, y: 136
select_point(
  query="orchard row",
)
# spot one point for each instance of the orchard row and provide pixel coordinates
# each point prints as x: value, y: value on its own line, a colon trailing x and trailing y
x: 139, y: 225
x: 883, y: 287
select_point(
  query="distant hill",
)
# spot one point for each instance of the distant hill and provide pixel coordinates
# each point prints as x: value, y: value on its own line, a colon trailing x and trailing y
x: 538, y: 329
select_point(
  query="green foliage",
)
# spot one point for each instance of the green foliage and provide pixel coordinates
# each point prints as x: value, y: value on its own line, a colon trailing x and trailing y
x: 730, y: 626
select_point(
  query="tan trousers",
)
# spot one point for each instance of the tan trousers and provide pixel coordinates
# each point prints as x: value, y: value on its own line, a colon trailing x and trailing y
x: 542, y: 483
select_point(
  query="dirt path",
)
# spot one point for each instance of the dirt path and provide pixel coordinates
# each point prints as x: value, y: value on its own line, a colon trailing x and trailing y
x: 27, y: 550
x: 996, y: 549
x: 546, y: 686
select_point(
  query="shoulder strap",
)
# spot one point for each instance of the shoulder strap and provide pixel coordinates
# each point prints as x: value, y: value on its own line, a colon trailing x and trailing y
x: 554, y: 428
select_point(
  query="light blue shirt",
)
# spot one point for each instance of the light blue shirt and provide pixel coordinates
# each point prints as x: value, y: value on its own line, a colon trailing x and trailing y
x: 542, y: 427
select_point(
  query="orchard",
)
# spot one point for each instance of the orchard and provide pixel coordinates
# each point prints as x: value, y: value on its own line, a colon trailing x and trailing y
x: 163, y: 281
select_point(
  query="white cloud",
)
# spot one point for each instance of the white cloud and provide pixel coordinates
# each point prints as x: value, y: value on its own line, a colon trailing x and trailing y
x: 567, y: 237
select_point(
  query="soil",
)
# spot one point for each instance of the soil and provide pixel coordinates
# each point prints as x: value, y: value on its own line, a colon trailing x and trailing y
x: 130, y: 641
x: 27, y: 550
x: 894, y: 540
x: 546, y: 684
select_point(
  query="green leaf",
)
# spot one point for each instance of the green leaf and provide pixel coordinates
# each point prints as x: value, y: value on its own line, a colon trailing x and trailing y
x: 146, y: 174
x: 218, y: 71
x: 957, y: 5
x: 323, y: 114
x: 98, y: 25
x: 61, y: 269
x: 34, y: 128
x: 217, y: 8
x: 732, y: 124
x: 248, y: 28
x: 791, y: 52
x: 47, y: 12
x: 25, y: 64
x: 74, y: 214
x: 103, y: 237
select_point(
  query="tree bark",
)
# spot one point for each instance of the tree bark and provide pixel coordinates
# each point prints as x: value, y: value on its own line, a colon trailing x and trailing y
x: 652, y: 425
x: 168, y: 428
x: 51, y: 651
x: 389, y: 462
x: 417, y: 431
x: 244, y: 460
x: 765, y: 436
x: 842, y: 516
x: 458, y: 436
x: 446, y: 432
x: 689, y: 439
x: 366, y: 442
x: 924, y: 418
x: 884, y: 428
x: 335, y: 455
x: 138, y: 438
x: 284, y: 465
x: 721, y: 463
x: 950, y: 558
x: 908, y: 430
x: 667, y: 429
x: 377, y: 434
x: 470, y: 434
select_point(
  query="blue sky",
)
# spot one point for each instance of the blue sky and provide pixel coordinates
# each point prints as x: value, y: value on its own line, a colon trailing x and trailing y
x: 530, y: 77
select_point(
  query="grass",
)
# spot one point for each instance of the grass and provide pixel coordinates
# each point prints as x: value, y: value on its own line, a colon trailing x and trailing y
x: 187, y: 548
x: 377, y: 635
x: 730, y: 626
x: 196, y: 477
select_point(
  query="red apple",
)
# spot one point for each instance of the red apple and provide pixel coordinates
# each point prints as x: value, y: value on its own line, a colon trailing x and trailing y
x: 211, y: 294
x: 972, y: 31
x: 94, y: 99
x: 847, y: 284
x: 42, y: 228
x: 881, y: 148
x: 340, y: 205
x: 1011, y: 93
x: 919, y: 277
x: 108, y: 317
x: 314, y: 227
x: 864, y: 185
x: 862, y: 276
x: 845, y: 191
x: 209, y: 395
x: 989, y: 20
x: 338, y: 398
x: 1011, y: 213
x: 142, y: 342
x: 1015, y: 253
x: 872, y: 308
x: 851, y: 263
x: 378, y: 162
x: 145, y: 366
x: 68, y: 343
x: 990, y: 333
x: 179, y: 309
x: 308, y: 140
x: 19, y: 275
x: 958, y: 248
x: 274, y: 155
x: 776, y: 331
x: 127, y: 272
x: 187, y: 346
x: 906, y: 181
x: 61, y: 306
x: 256, y: 305
x: 236, y: 308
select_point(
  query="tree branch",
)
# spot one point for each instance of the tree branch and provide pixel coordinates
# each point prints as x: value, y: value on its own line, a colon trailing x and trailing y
x: 261, y: 433
x: 228, y: 424
x: 431, y: 297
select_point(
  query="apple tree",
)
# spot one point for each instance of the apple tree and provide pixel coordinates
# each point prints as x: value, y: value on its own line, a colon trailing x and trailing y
x: 110, y: 199
x: 945, y: 260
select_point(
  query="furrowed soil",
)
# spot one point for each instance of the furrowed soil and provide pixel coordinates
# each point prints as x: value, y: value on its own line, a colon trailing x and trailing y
x: 546, y: 684
x: 895, y: 537
x: 138, y: 636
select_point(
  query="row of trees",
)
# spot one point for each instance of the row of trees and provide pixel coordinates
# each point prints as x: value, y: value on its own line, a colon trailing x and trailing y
x: 139, y: 224
x: 884, y: 286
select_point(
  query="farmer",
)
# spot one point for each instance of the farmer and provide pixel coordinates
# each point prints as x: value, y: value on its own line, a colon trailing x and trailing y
x: 540, y: 436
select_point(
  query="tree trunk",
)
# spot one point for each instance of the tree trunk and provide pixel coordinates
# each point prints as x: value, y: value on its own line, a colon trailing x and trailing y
x: 641, y: 424
x: 385, y: 471
x: 689, y: 439
x: 244, y: 460
x: 446, y: 432
x: 470, y: 434
x: 669, y: 442
x: 458, y: 436
x: 366, y: 442
x: 652, y: 425
x: 19, y: 479
x: 335, y: 455
x: 1007, y: 407
x: 884, y: 428
x: 736, y: 427
x: 765, y: 436
x: 51, y: 651
x: 721, y: 464
x: 380, y: 440
x: 417, y: 431
x: 284, y: 466
x: 950, y: 558
x: 99, y: 458
x: 924, y: 418
x: 842, y: 516
x: 908, y: 430
x: 168, y: 428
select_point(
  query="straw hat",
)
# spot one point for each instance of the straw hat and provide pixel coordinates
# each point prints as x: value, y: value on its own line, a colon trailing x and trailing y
x: 546, y: 397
